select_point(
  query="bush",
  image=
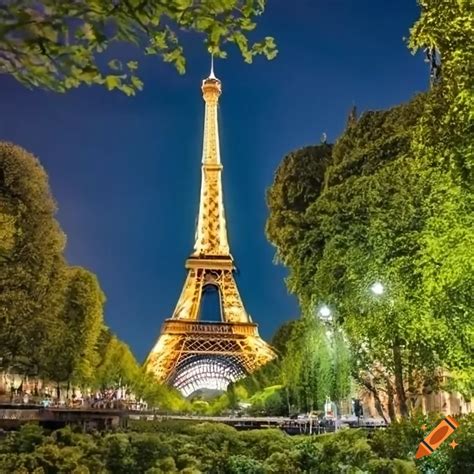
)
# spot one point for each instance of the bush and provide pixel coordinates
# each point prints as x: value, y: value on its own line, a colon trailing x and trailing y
x: 400, y: 440
x: 191, y: 448
x: 244, y: 465
x: 391, y: 466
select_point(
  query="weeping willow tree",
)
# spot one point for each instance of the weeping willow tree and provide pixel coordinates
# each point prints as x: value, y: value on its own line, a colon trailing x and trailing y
x: 307, y: 365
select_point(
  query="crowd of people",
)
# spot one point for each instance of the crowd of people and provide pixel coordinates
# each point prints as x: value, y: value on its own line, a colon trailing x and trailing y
x: 48, y: 396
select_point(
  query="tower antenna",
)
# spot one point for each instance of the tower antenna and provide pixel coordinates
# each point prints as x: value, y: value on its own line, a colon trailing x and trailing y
x: 212, y: 75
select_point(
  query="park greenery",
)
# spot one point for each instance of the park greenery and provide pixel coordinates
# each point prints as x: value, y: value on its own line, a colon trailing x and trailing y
x: 392, y: 202
x: 51, y: 314
x: 62, y: 45
x: 187, y: 447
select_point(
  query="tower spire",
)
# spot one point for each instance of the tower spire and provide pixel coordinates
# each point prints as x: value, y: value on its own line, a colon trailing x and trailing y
x: 211, y: 232
x: 212, y: 75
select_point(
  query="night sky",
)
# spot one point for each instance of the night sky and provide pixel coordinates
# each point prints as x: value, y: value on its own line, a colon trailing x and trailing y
x: 126, y: 171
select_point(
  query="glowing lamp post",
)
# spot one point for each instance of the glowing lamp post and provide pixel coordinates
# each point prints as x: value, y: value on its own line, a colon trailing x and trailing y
x: 377, y: 288
x: 325, y: 313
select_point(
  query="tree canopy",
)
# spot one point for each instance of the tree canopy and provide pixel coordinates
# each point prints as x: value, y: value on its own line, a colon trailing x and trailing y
x: 31, y: 259
x: 51, y: 314
x: 72, y: 354
x: 61, y: 45
x: 393, y: 204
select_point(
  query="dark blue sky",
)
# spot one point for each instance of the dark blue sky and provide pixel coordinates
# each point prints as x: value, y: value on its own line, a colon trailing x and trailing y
x: 126, y: 171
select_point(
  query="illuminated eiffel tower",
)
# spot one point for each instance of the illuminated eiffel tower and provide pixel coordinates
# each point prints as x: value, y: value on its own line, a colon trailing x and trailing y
x: 192, y: 353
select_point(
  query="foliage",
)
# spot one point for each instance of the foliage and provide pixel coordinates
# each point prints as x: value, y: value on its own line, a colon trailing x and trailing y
x: 241, y: 464
x: 307, y: 365
x: 341, y: 366
x: 61, y: 45
x: 401, y: 440
x: 118, y: 366
x: 443, y: 141
x: 51, y: 314
x: 298, y: 182
x: 158, y: 396
x: 282, y: 336
x: 72, y: 354
x: 203, y: 447
x: 271, y: 373
x: 314, y: 363
x: 393, y: 203
x: 372, y: 215
x: 190, y: 447
x: 270, y: 401
x: 267, y: 375
x: 31, y: 260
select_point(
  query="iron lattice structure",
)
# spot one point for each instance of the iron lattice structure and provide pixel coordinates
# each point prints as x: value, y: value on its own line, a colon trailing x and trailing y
x: 191, y: 354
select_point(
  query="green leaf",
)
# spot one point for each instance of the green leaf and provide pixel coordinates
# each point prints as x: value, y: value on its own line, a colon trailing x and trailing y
x: 132, y: 65
x: 115, y: 65
x: 113, y: 82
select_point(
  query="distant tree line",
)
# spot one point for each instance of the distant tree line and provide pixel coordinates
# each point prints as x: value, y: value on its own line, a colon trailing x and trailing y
x: 313, y: 365
x: 51, y: 314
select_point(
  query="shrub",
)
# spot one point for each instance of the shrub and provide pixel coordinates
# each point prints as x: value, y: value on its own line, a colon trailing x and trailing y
x: 244, y: 465
x: 391, y: 466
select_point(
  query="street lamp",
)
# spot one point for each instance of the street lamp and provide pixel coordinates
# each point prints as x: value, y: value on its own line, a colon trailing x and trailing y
x: 377, y: 288
x: 325, y: 313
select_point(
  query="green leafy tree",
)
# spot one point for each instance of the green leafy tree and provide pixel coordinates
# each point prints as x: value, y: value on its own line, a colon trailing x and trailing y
x: 375, y: 219
x: 341, y: 366
x: 241, y: 464
x: 118, y: 366
x: 61, y: 45
x: 307, y: 365
x: 31, y: 260
x: 73, y: 352
x: 282, y: 336
x: 162, y: 397
x: 363, y: 227
x: 298, y: 182
x: 443, y: 142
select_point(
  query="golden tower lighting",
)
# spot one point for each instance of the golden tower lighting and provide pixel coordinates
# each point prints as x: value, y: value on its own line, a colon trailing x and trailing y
x: 191, y: 353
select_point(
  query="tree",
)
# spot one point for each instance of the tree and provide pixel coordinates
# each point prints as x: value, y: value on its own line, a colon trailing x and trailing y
x: 61, y: 45
x: 307, y: 365
x: 73, y: 352
x: 298, y: 182
x: 364, y: 226
x: 282, y: 336
x: 117, y: 366
x: 162, y: 397
x: 378, y: 218
x: 341, y: 366
x: 31, y: 260
x: 443, y: 141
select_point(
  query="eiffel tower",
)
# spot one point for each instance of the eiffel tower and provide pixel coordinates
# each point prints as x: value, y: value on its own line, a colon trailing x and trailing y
x: 192, y: 353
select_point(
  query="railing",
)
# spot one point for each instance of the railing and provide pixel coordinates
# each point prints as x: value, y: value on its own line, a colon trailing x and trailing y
x: 19, y: 414
x: 182, y: 326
